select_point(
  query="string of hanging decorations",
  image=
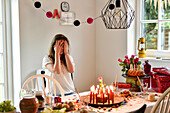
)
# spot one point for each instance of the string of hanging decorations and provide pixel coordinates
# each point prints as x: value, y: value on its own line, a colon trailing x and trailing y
x: 116, y: 14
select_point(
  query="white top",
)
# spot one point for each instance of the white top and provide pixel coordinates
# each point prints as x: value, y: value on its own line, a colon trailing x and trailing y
x: 64, y: 78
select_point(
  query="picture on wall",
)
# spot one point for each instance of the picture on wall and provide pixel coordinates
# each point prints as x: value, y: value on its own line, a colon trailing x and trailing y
x: 67, y: 18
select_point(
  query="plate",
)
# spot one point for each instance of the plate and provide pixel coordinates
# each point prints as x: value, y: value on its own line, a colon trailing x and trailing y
x: 117, y: 101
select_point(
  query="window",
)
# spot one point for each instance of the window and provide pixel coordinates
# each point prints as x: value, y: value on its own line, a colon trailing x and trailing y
x: 2, y: 54
x: 154, y: 25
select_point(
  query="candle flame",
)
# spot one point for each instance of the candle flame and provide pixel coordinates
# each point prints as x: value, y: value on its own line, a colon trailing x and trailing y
x: 97, y: 86
x: 111, y: 87
x: 108, y: 90
x: 92, y: 88
x: 103, y: 90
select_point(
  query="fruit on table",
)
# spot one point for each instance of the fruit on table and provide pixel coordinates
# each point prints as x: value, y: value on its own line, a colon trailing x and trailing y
x: 6, y: 106
x: 49, y: 110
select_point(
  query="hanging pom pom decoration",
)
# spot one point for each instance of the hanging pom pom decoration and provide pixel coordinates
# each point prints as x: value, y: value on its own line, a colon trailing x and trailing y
x: 89, y: 20
x: 76, y: 22
x: 111, y: 6
x: 49, y: 14
x: 37, y: 4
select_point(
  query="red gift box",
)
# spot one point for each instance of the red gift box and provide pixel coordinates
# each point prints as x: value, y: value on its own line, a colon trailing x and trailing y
x: 124, y: 85
x: 160, y: 82
x: 162, y: 70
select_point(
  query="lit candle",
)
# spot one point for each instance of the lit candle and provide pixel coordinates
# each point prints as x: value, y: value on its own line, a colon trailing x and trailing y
x: 93, y: 96
x: 107, y: 89
x: 103, y: 95
x: 90, y: 94
x: 108, y: 96
x: 101, y: 90
x: 96, y: 98
x: 111, y: 93
x: 92, y: 89
x: 113, y: 98
x: 97, y: 89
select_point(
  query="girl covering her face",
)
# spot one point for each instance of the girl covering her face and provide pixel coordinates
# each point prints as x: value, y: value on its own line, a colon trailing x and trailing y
x: 60, y: 63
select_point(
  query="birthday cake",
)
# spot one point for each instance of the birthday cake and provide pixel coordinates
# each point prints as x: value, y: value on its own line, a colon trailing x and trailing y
x: 103, y: 95
x: 135, y: 71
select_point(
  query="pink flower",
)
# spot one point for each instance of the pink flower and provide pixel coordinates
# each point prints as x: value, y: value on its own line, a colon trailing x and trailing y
x: 119, y: 60
x: 100, y: 79
x: 126, y: 57
x: 133, y: 56
x: 137, y: 60
x: 126, y: 60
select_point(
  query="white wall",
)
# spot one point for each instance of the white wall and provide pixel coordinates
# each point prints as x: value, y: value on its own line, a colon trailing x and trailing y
x: 37, y: 31
x: 110, y: 45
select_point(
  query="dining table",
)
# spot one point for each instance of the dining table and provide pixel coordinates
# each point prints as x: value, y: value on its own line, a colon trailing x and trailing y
x: 132, y: 104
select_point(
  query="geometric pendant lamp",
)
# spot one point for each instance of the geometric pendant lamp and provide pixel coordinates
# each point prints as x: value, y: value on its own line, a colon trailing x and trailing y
x: 117, y: 14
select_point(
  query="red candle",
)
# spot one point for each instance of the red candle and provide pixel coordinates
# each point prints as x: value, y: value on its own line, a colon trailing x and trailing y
x: 103, y: 98
x: 111, y: 94
x: 90, y: 96
x: 96, y: 99
x: 93, y: 97
x: 97, y: 89
x: 108, y: 96
x: 107, y: 89
x: 103, y: 95
x: 113, y: 98
x: 91, y: 92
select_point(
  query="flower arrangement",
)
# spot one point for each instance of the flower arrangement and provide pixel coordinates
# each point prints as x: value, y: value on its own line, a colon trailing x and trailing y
x: 134, y: 61
x: 100, y: 79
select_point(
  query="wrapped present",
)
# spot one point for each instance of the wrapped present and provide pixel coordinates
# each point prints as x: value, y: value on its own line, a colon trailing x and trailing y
x: 162, y: 70
x: 160, y: 82
x: 124, y: 85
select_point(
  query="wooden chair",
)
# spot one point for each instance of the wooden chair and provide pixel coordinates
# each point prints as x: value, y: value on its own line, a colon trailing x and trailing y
x: 162, y: 103
x: 141, y: 110
x: 42, y: 76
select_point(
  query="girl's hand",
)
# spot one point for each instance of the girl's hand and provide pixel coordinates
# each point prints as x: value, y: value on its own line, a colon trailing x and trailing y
x: 58, y: 46
x: 65, y: 47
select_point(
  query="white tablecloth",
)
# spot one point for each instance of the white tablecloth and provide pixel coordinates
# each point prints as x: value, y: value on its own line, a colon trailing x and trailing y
x: 133, y: 104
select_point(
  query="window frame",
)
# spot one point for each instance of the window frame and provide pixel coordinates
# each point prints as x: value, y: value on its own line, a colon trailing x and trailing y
x: 150, y: 52
x: 12, y: 51
x: 4, y: 55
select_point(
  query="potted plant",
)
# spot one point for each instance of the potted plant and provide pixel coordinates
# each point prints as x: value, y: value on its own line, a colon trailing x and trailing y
x: 6, y: 107
x: 127, y: 62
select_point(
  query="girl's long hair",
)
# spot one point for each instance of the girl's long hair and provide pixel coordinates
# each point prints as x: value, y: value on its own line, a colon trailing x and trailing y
x: 51, y: 53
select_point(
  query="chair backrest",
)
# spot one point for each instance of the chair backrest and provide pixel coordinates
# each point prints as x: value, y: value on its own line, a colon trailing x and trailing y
x: 42, y: 76
x: 162, y: 103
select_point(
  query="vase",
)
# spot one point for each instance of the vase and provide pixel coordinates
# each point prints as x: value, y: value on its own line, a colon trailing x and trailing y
x: 29, y: 103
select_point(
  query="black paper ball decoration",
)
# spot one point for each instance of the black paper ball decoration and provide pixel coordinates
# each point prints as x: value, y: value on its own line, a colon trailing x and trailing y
x: 37, y: 4
x: 111, y: 6
x: 76, y: 22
